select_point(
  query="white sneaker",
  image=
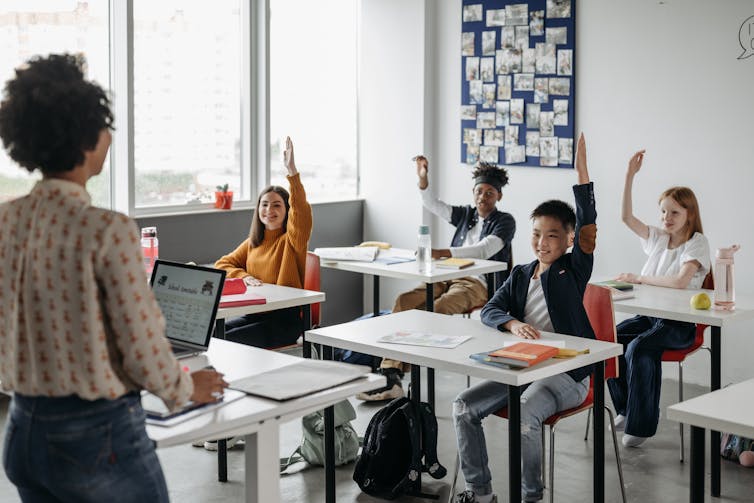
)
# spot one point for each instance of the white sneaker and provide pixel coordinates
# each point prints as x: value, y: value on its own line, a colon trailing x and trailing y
x: 211, y: 445
x: 632, y: 440
x: 198, y: 443
x: 620, y: 422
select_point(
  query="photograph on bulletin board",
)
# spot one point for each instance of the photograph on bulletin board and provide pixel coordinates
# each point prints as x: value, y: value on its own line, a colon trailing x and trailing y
x: 517, y: 82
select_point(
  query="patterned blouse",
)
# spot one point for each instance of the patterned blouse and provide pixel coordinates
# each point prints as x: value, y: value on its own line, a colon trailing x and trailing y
x: 77, y: 316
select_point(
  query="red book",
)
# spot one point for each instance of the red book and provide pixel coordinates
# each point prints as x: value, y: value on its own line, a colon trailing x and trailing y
x: 234, y: 286
x: 523, y: 354
x: 242, y: 299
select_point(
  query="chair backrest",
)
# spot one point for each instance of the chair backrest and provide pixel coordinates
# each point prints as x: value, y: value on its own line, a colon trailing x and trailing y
x: 312, y: 282
x: 598, y: 303
x: 709, y: 281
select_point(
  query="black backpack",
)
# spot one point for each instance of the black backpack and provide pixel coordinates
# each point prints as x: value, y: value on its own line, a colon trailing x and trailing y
x: 397, y: 438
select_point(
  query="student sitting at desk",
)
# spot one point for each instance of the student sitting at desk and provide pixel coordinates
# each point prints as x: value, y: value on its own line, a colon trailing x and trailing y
x: 546, y: 294
x: 678, y: 257
x: 482, y: 231
x: 274, y: 252
x: 80, y: 330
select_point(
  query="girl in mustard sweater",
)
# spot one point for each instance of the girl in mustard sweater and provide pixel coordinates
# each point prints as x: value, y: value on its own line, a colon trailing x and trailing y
x: 274, y: 252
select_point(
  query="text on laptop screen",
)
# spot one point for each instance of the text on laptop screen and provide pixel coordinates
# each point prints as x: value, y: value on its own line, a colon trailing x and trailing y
x: 187, y: 298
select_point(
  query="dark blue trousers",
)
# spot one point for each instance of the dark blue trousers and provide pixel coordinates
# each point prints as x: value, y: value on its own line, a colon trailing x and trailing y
x: 636, y: 393
x: 268, y: 330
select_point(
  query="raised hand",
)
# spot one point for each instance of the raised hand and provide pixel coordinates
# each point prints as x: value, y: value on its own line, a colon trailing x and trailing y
x: 581, y: 169
x: 422, y: 168
x: 288, y: 160
x: 634, y: 164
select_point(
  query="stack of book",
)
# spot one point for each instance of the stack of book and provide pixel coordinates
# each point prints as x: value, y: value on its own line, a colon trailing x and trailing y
x: 519, y: 355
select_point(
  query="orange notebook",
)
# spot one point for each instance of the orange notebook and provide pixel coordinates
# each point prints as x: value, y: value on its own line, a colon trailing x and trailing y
x: 523, y: 354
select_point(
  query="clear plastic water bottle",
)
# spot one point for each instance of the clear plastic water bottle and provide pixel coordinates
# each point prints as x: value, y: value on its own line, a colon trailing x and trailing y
x: 725, y: 291
x: 149, y: 247
x: 424, y: 251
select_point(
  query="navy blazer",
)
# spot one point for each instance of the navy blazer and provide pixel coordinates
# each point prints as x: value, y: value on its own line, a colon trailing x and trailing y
x: 563, y: 283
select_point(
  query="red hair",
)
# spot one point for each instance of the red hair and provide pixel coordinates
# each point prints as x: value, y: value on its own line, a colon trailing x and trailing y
x: 685, y: 197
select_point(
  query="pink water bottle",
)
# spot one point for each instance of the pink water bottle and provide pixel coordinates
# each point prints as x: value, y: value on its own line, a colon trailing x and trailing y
x: 725, y: 293
x: 149, y: 247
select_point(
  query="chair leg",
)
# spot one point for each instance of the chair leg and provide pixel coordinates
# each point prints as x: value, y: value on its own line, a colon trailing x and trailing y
x: 588, y: 419
x: 542, y: 467
x: 552, y: 463
x: 680, y: 399
x: 617, y: 453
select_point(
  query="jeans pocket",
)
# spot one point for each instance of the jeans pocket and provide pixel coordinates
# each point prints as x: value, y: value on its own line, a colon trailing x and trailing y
x: 81, y: 457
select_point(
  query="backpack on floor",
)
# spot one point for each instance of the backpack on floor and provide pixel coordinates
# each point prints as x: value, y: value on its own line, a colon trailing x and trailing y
x: 312, y: 448
x: 397, y: 438
x: 731, y: 446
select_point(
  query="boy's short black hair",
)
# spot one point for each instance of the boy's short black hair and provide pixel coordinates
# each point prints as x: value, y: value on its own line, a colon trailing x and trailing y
x: 490, y: 173
x: 51, y: 114
x: 559, y: 210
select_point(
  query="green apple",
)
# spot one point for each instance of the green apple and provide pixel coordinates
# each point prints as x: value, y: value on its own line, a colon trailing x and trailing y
x: 701, y: 301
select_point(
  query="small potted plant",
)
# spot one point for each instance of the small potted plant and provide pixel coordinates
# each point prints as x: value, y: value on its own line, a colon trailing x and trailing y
x: 223, y: 197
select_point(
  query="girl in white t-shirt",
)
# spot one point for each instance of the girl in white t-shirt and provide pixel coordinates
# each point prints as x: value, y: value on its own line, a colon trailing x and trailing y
x: 677, y: 257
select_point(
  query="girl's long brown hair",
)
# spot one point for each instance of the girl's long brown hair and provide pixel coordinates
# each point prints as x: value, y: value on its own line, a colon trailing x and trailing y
x: 256, y: 233
x: 686, y: 198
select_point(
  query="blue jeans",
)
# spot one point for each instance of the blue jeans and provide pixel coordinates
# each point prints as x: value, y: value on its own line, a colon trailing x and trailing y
x: 72, y: 450
x: 636, y: 393
x: 269, y: 330
x: 539, y: 401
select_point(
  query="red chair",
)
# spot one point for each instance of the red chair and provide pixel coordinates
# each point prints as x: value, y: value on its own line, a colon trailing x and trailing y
x: 312, y: 282
x: 679, y: 355
x: 598, y: 303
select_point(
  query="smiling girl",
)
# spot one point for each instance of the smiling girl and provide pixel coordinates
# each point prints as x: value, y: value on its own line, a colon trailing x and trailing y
x: 678, y: 257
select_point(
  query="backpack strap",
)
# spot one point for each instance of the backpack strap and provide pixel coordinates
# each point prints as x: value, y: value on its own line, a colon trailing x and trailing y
x: 429, y: 442
x: 294, y: 458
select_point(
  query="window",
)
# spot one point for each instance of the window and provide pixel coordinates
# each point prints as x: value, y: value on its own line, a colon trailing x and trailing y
x: 313, y: 82
x: 187, y: 101
x: 31, y: 27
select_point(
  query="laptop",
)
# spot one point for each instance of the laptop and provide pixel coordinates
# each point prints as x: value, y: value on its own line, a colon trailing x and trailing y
x: 189, y: 296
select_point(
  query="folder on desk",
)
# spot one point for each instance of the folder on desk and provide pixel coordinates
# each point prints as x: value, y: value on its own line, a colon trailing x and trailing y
x: 241, y: 299
x: 299, y: 379
x: 158, y: 413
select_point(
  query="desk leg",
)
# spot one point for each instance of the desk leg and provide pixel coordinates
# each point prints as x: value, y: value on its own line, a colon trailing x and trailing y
x: 714, y: 441
x: 222, y: 460
x: 599, y: 431
x: 430, y: 306
x: 220, y: 328
x: 514, y: 443
x: 696, y: 474
x: 490, y: 284
x: 329, y: 442
x: 262, y: 452
x: 375, y: 295
x: 307, y: 315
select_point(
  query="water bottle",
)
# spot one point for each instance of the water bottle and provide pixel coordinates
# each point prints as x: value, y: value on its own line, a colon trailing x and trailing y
x: 149, y: 247
x: 725, y: 293
x: 424, y: 251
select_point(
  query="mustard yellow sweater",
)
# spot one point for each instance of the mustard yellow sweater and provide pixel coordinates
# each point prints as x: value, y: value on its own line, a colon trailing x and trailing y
x: 281, y: 258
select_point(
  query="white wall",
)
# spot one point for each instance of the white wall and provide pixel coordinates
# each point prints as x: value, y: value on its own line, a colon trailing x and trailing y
x: 661, y: 76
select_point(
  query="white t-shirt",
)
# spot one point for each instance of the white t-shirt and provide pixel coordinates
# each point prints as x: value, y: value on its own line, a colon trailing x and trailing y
x: 535, y: 310
x: 662, y: 261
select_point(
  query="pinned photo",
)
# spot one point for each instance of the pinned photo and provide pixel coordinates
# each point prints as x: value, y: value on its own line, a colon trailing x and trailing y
x: 511, y: 135
x: 515, y: 154
x: 565, y: 150
x: 472, y: 68
x: 558, y: 8
x: 557, y: 35
x: 517, y: 14
x: 494, y: 137
x: 485, y: 120
x: 496, y: 17
x: 532, y: 143
x: 548, y: 151
x: 528, y: 60
x: 504, y: 87
x: 487, y: 69
x: 545, y: 54
x: 565, y: 62
x: 472, y: 13
x: 472, y: 136
x: 472, y: 154
x: 523, y: 82
x: 488, y: 43
x: 502, y: 113
x: 507, y: 37
x: 532, y: 115
x: 467, y: 44
x: 468, y: 112
x: 522, y: 37
x: 546, y: 126
x: 475, y: 92
x: 517, y: 111
x: 541, y: 90
x: 537, y: 23
x: 488, y: 154
x: 560, y: 110
x: 488, y: 91
x: 560, y: 86
x: 508, y: 61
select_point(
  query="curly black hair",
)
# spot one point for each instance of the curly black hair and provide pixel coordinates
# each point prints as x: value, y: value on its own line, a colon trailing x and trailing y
x: 50, y: 115
x: 489, y: 170
x: 559, y: 210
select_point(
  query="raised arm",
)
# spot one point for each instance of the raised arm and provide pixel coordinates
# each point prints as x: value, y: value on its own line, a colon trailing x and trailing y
x: 288, y: 160
x: 581, y: 170
x: 300, y: 218
x: 422, y: 169
x: 627, y: 210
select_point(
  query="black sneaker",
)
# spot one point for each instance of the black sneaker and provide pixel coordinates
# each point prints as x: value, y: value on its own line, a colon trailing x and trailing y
x: 393, y: 389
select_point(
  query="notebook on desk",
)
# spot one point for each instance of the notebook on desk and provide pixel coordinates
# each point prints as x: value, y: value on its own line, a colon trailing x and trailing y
x: 189, y: 296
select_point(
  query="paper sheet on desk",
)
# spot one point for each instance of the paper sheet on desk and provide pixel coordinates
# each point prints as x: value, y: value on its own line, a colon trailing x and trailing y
x: 419, y: 338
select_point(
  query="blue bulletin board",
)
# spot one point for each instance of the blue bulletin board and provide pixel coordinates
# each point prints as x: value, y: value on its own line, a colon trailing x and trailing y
x: 517, y: 82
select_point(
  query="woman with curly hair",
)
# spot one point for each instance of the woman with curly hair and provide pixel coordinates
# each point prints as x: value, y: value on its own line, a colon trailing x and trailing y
x: 80, y: 331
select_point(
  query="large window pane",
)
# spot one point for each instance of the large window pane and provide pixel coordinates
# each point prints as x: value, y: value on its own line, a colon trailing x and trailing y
x: 39, y: 27
x: 313, y: 93
x: 187, y: 100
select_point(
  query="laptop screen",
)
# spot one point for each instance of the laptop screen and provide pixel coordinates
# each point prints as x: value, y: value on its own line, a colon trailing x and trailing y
x: 188, y: 296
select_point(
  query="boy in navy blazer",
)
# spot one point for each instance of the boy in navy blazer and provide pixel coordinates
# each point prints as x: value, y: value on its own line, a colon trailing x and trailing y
x: 546, y: 294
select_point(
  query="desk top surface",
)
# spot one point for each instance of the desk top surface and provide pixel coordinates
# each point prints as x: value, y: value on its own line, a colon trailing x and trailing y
x: 277, y: 297
x: 730, y: 409
x: 362, y: 336
x: 244, y: 415
x: 673, y: 304
x: 410, y: 270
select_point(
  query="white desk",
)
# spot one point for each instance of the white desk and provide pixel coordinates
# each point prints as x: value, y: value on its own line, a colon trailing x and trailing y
x: 673, y: 304
x: 362, y: 336
x: 277, y: 297
x: 256, y: 418
x: 730, y: 409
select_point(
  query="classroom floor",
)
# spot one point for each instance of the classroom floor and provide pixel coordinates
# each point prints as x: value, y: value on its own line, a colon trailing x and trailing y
x: 652, y: 472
